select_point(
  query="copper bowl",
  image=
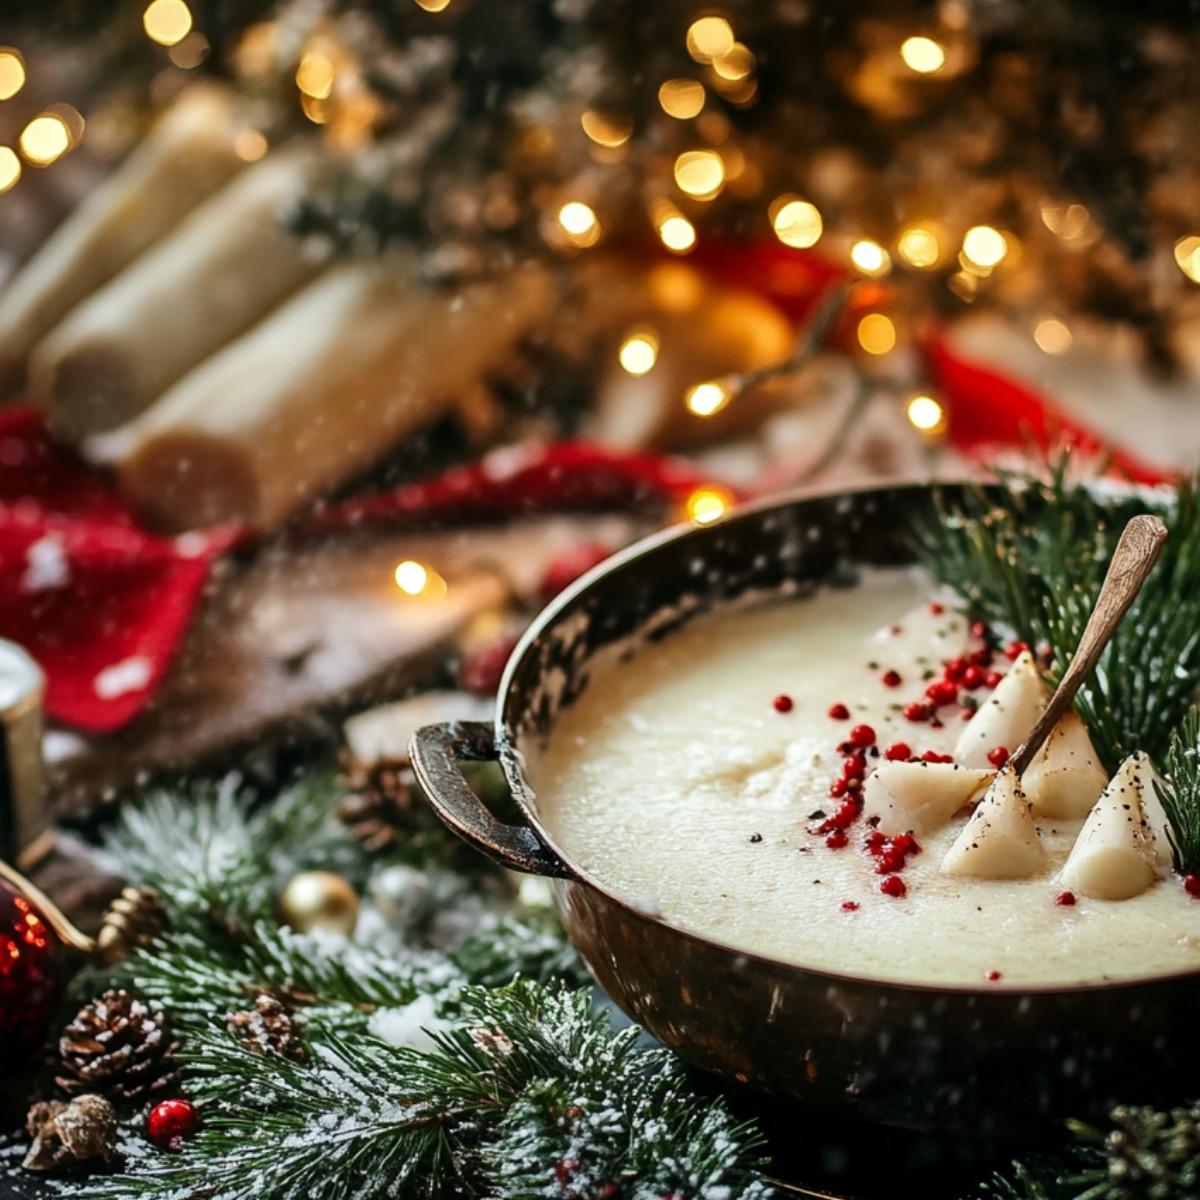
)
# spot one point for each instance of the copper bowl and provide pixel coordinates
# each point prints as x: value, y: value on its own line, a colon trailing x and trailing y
x: 954, y: 1059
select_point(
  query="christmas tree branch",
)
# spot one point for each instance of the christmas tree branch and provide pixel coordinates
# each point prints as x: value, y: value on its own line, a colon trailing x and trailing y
x: 530, y: 1093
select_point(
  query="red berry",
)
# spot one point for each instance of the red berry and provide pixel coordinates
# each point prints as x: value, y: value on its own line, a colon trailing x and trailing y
x: 942, y: 691
x: 893, y: 885
x: 906, y: 843
x: 890, y: 861
x: 839, y: 712
x: 783, y: 704
x: 973, y: 677
x: 955, y: 669
x: 837, y: 788
x: 836, y: 840
x: 849, y: 906
x: 992, y: 976
x: 170, y: 1122
x: 862, y: 736
x: 892, y: 679
x: 898, y: 752
x: 1014, y: 650
x: 998, y: 756
x: 855, y: 767
x: 992, y: 679
x: 1191, y: 885
x: 875, y: 842
x: 916, y: 711
x: 932, y: 756
x: 854, y: 785
x: 1065, y: 899
x: 967, y: 713
x: 936, y: 609
x: 980, y: 630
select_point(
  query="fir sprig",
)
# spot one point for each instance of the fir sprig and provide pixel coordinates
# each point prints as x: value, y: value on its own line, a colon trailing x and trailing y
x: 1145, y: 1155
x: 1179, y: 792
x: 529, y: 1094
x: 220, y: 863
x: 1030, y: 558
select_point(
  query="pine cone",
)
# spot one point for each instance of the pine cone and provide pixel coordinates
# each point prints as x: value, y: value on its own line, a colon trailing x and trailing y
x: 65, y: 1133
x: 117, y: 1045
x: 268, y: 1028
x: 378, y: 805
x: 135, y: 918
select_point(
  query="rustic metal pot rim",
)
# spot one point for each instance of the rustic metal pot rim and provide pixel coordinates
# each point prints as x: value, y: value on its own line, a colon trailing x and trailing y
x: 509, y: 755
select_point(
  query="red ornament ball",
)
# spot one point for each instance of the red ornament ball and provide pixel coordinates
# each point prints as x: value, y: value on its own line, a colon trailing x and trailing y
x: 170, y: 1122
x: 31, y: 976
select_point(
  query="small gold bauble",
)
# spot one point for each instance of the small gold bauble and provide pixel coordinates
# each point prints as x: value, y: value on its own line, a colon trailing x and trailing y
x: 319, y: 900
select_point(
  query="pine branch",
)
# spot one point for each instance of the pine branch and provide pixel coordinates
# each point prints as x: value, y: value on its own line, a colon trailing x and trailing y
x: 1146, y: 1155
x: 1031, y: 559
x: 1179, y: 792
x: 524, y: 1066
x: 219, y: 864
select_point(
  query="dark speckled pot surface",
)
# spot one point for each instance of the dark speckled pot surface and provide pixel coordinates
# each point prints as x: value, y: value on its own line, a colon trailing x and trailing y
x: 951, y: 1059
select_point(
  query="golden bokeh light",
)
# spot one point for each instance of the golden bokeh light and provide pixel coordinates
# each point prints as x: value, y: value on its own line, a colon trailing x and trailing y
x: 926, y: 414
x: 708, y: 504
x: 416, y: 579
x: 984, y: 246
x: 10, y: 168
x: 796, y: 222
x: 45, y: 139
x: 737, y: 65
x: 191, y: 52
x: 1187, y: 256
x: 250, y: 145
x: 678, y: 234
x: 700, y: 173
x: 870, y: 258
x: 606, y: 131
x: 923, y: 55
x: 12, y: 72
x: 919, y: 247
x: 682, y: 98
x: 709, y: 38
x: 579, y: 223
x: 317, y: 111
x: 433, y: 5
x: 1068, y: 221
x: 167, y: 21
x: 876, y: 333
x: 314, y: 75
x: 1052, y: 336
x: 707, y: 399
x: 639, y: 353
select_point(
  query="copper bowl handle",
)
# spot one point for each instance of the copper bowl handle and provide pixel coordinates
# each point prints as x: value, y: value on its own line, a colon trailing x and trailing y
x: 435, y: 751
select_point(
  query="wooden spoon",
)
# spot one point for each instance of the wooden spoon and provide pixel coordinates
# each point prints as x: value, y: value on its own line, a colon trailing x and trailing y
x: 1136, y: 553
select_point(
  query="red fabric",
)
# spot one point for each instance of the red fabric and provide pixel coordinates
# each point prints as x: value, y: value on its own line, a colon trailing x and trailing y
x: 985, y: 410
x: 525, y: 481
x: 101, y: 605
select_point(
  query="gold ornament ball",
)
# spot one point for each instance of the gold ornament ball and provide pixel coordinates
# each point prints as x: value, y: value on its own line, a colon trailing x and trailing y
x: 319, y: 900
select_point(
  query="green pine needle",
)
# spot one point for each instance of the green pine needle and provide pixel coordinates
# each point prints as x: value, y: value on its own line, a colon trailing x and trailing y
x: 1179, y: 792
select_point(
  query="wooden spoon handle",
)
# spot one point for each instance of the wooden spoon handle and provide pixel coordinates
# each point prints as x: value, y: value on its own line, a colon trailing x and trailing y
x: 1136, y: 553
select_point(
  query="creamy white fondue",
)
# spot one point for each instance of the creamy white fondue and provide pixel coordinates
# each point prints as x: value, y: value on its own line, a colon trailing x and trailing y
x: 675, y: 782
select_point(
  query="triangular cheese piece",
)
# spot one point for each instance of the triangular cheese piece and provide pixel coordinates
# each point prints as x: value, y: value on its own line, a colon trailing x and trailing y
x: 1065, y: 778
x: 919, y: 797
x: 1115, y: 856
x: 1006, y: 716
x: 1000, y: 841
